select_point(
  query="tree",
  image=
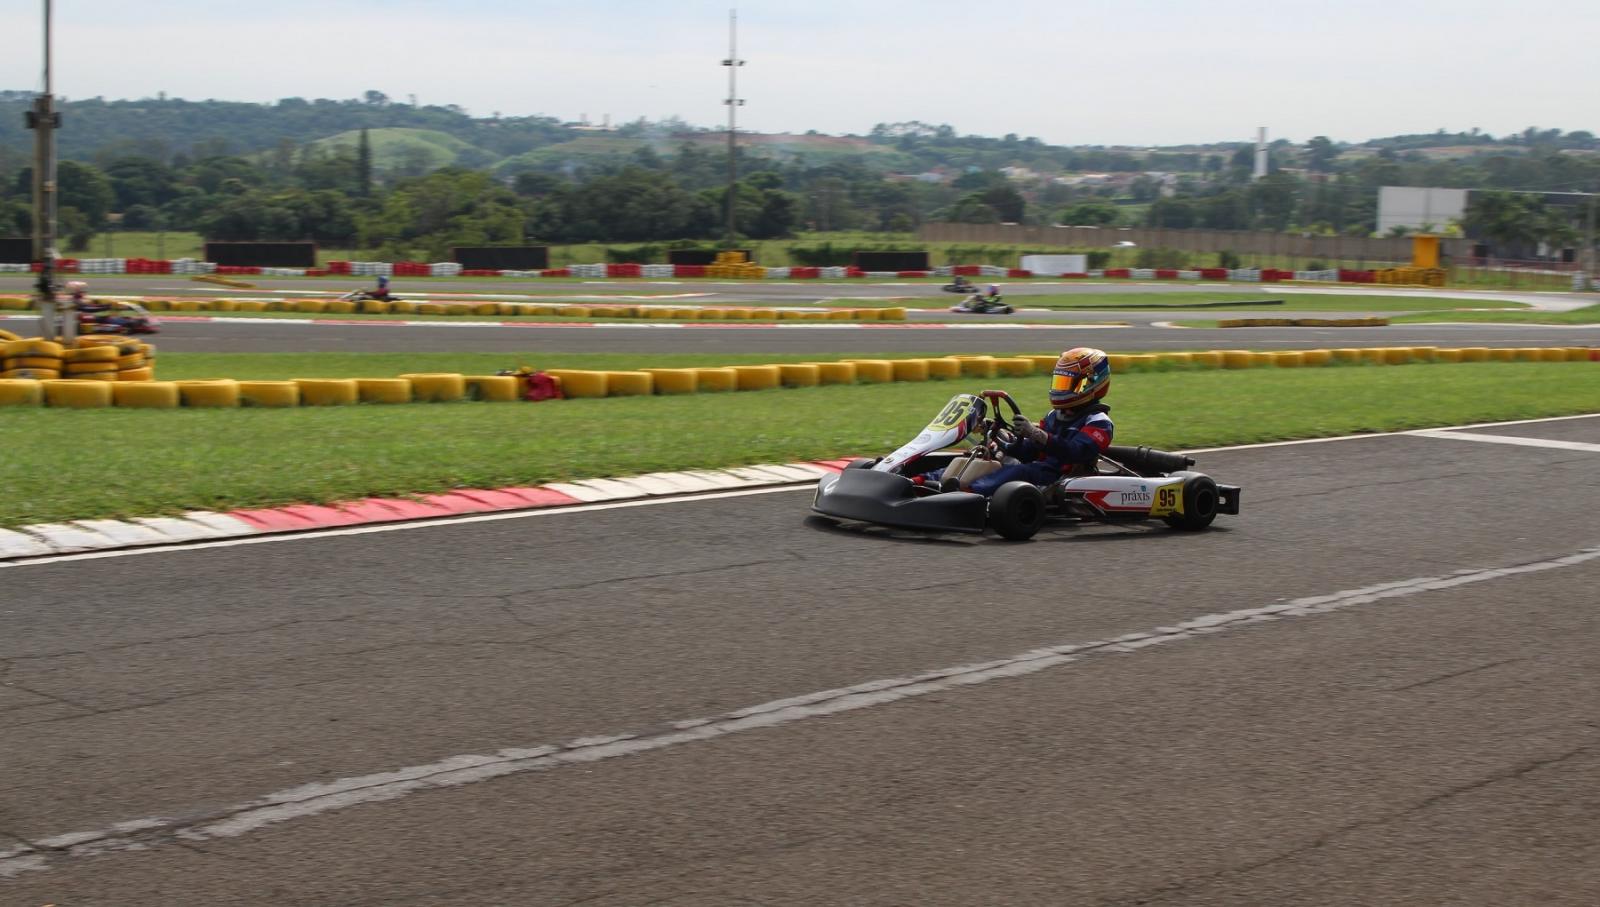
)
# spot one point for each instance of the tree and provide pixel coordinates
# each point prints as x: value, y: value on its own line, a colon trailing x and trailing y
x: 1509, y: 221
x: 364, y: 164
x: 1097, y: 214
x: 1321, y: 153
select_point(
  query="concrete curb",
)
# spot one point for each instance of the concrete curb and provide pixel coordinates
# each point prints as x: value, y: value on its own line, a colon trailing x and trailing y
x: 49, y: 539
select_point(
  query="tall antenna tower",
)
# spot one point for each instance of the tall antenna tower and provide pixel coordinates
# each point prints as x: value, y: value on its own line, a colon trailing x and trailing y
x: 44, y: 120
x: 734, y: 102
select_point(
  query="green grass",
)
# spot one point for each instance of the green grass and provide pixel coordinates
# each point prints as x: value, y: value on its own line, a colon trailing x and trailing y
x: 76, y: 464
x: 1586, y: 315
x: 1292, y: 302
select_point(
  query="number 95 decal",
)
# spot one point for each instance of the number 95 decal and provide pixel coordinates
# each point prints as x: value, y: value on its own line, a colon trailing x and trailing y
x: 1169, y: 500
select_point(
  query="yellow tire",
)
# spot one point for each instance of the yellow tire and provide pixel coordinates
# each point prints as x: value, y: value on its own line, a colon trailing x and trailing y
x: 486, y: 308
x: 269, y: 393
x: 840, y: 314
x: 1015, y: 367
x: 756, y: 377
x: 402, y: 307
x: 910, y: 369
x: 579, y: 382
x: 7, y: 336
x: 976, y: 366
x: 1315, y: 358
x: 45, y: 362
x: 383, y: 390
x: 311, y: 306
x: 158, y: 305
x: 90, y: 340
x: 77, y: 394
x: 1175, y: 360
x: 1555, y: 354
x: 741, y: 314
x: 15, y: 303
x: 494, y: 388
x: 137, y: 360
x: 1346, y: 355
x: 1288, y: 358
x: 835, y: 372
x: 223, y: 305
x: 710, y: 314
x: 713, y: 380
x: 673, y: 380
x: 82, y: 369
x: 430, y: 308
x: 21, y: 392
x: 1447, y: 355
x: 1260, y: 359
x: 281, y: 305
x: 799, y: 374
x: 788, y: 315
x: 948, y: 368
x: 1502, y: 354
x: 328, y: 391
x: 575, y: 311
x: 98, y: 353
x: 185, y: 305
x: 457, y: 309
x: 1238, y: 359
x: 251, y: 305
x: 146, y: 395
x: 1206, y: 358
x: 220, y: 393
x: 95, y: 376
x: 683, y: 314
x: 864, y: 314
x: 32, y: 347
x: 136, y: 374
x: 895, y: 313
x: 629, y: 384
x: 1530, y: 354
x: 508, y: 308
x: 1422, y: 353
x: 1376, y: 355
x: 31, y: 374
x: 1577, y: 354
x: 873, y: 371
x: 656, y: 312
x: 437, y: 387
x: 340, y: 306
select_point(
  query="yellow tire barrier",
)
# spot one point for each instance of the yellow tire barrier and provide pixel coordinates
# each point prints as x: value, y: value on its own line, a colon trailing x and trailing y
x: 493, y: 388
x: 430, y: 308
x: 1238, y: 358
x: 311, y: 306
x: 21, y: 392
x: 7, y: 336
x: 1529, y: 354
x: 1502, y: 354
x: 835, y: 372
x: 35, y: 374
x: 743, y: 314
x: 402, y: 307
x: 1376, y: 355
x: 185, y: 305
x: 944, y: 368
x: 575, y: 311
x: 1259, y: 359
x: 579, y: 383
x: 457, y: 308
x: 873, y: 371
x: 96, y: 353
x: 1175, y: 360
x: 892, y: 314
x: 757, y: 377
x: 158, y: 305
x: 840, y: 315
x: 1423, y: 353
x: 1117, y: 361
x: 716, y: 379
x: 788, y: 315
x: 221, y: 393
x: 437, y: 387
x: 910, y: 369
x: 710, y: 315
x: 251, y: 305
x: 84, y: 369
x: 1315, y: 358
x: 93, y: 376
x: 1555, y: 354
x: 976, y: 366
x: 1288, y: 359
x: 659, y: 313
x: 799, y: 374
x: 1577, y: 354
x: 673, y: 380
x: 146, y: 395
x: 383, y: 390
x: 136, y: 374
x: 1143, y: 362
x: 486, y: 308
x: 1044, y: 364
x: 1207, y: 358
x: 629, y: 384
x: 1397, y: 355
x: 1015, y: 367
x: 271, y: 393
x: 136, y: 360
x: 1447, y: 355
x: 340, y: 306
x: 77, y: 394
x: 328, y: 391
x: 33, y: 346
x: 222, y: 305
x: 508, y: 308
x: 14, y: 303
x: 281, y: 305
x: 45, y: 362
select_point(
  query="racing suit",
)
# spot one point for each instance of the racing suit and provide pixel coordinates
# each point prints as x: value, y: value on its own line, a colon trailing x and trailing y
x: 1076, y: 441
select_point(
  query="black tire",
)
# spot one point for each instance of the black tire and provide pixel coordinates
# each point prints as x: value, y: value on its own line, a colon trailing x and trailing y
x: 862, y: 463
x: 1017, y: 511
x: 1200, y: 501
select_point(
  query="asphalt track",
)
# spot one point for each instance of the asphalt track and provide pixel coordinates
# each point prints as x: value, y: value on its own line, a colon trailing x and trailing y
x: 1374, y: 686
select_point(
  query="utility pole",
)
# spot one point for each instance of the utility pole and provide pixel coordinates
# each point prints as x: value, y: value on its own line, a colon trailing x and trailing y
x: 44, y: 120
x: 1588, y: 244
x: 734, y: 102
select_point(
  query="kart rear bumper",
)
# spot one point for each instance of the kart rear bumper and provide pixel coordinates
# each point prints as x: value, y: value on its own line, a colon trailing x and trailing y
x: 891, y: 500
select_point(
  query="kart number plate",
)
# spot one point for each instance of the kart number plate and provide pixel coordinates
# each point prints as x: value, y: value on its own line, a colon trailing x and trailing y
x: 954, y: 413
x: 1169, y: 500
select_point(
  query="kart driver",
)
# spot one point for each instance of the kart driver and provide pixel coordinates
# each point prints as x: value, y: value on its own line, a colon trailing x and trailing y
x: 382, y: 289
x: 1070, y: 438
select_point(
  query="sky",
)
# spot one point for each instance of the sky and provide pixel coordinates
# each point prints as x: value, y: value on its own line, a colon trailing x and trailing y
x: 1132, y: 72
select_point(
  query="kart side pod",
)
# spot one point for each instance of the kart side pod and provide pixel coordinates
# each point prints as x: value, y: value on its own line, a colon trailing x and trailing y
x: 889, y: 499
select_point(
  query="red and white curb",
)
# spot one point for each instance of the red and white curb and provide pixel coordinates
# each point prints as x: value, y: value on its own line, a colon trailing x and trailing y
x: 77, y: 536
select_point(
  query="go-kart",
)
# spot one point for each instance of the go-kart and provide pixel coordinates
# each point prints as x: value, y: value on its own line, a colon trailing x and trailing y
x: 364, y: 295
x: 978, y: 304
x: 117, y: 317
x: 959, y: 285
x: 1128, y: 483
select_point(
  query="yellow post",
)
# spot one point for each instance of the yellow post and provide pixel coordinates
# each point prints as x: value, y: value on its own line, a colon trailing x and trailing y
x: 1424, y: 251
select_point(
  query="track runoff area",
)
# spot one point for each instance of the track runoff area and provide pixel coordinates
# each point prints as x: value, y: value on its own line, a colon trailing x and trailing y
x: 1374, y: 686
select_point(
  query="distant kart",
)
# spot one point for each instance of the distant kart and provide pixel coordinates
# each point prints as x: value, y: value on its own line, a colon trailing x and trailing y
x: 1129, y: 483
x: 959, y: 287
x: 119, y: 317
x: 364, y: 295
x: 977, y: 304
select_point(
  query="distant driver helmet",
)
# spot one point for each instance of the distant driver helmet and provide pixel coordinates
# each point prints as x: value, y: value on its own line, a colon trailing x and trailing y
x: 1082, y: 375
x: 76, y: 286
x: 994, y: 289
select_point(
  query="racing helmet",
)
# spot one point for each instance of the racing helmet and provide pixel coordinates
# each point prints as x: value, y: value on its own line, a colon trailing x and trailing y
x: 76, y: 286
x: 994, y: 289
x: 1082, y: 375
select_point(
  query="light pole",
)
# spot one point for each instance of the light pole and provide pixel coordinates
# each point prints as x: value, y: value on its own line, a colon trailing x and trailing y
x: 44, y: 120
x: 734, y: 102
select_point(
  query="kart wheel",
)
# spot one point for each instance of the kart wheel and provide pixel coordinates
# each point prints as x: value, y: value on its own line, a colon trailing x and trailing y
x: 861, y: 464
x: 1017, y: 511
x: 1199, y: 502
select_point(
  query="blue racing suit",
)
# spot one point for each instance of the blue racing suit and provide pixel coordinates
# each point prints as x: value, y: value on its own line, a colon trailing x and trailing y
x: 1075, y: 443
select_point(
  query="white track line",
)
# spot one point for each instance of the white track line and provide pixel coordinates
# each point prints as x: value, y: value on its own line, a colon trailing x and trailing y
x: 1505, y: 439
x: 323, y: 797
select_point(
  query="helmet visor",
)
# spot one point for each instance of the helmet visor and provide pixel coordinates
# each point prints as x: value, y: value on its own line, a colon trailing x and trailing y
x: 1069, y: 383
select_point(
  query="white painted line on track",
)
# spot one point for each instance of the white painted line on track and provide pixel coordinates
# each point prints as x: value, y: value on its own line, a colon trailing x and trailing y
x: 323, y: 797
x: 1505, y: 439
